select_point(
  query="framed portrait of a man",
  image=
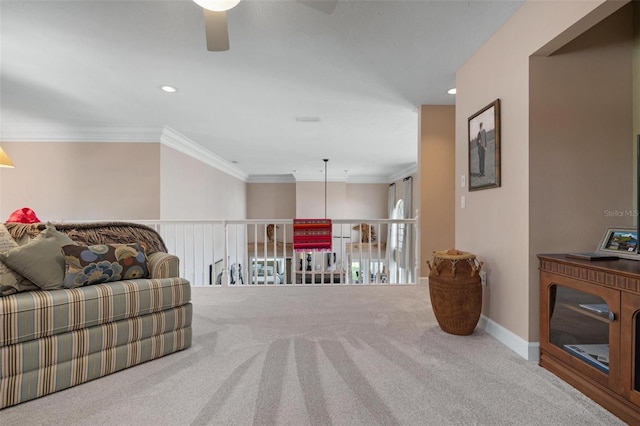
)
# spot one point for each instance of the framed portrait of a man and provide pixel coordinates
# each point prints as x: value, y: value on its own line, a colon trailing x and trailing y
x: 484, y: 148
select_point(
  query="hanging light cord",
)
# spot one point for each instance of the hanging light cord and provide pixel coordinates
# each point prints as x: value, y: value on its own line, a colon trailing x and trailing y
x: 325, y: 186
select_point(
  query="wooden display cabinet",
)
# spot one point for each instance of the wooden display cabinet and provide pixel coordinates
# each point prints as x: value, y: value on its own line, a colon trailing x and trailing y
x: 590, y: 329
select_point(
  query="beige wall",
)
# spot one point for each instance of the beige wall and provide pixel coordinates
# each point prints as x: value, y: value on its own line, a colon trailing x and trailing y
x: 306, y: 199
x: 437, y: 181
x: 116, y: 181
x: 366, y: 201
x: 271, y: 200
x: 344, y: 200
x: 192, y: 190
x: 495, y: 222
x: 581, y: 143
x: 82, y: 181
x: 310, y: 199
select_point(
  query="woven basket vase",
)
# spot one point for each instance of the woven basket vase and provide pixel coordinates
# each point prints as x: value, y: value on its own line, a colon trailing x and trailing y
x: 456, y: 291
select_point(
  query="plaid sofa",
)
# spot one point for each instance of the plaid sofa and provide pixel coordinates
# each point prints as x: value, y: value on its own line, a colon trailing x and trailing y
x: 52, y: 340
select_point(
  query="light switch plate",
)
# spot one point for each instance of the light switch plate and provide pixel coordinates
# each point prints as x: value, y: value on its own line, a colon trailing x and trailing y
x: 463, y: 181
x: 463, y: 202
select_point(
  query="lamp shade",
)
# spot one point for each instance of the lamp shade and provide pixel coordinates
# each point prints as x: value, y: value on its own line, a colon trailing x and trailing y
x: 5, y: 161
x: 217, y: 5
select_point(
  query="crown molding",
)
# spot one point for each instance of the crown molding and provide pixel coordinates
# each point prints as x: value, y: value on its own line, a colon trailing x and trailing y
x: 313, y: 177
x: 288, y: 178
x: 183, y: 144
x: 57, y: 133
x: 367, y: 179
x: 173, y: 139
x: 408, y: 171
x: 131, y: 134
x: 317, y: 177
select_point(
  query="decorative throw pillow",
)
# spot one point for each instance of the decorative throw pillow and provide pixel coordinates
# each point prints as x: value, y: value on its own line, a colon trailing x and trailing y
x: 10, y: 281
x: 101, y: 263
x: 40, y: 261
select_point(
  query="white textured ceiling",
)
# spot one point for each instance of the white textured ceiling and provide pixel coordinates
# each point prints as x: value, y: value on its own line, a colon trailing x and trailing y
x: 363, y: 70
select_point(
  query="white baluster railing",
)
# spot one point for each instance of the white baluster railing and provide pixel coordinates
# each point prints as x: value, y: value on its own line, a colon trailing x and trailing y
x: 260, y: 252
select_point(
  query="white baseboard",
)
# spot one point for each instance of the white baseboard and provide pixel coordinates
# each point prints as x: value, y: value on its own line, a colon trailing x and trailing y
x: 527, y: 350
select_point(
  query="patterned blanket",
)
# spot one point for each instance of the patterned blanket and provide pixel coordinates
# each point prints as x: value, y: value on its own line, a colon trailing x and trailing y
x: 96, y: 233
x: 312, y: 234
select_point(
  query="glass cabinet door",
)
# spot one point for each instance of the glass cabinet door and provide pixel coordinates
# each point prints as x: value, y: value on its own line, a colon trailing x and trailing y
x: 630, y: 346
x: 580, y: 327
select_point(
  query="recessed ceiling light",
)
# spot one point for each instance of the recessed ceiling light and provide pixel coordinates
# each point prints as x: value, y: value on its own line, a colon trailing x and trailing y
x: 168, y: 89
x: 308, y: 119
x: 452, y: 91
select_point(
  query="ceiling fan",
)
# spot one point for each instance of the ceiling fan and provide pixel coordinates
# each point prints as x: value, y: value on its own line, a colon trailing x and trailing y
x: 215, y: 19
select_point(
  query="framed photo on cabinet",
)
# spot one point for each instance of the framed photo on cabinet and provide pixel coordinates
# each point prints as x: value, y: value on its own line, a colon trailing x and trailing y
x: 484, y: 147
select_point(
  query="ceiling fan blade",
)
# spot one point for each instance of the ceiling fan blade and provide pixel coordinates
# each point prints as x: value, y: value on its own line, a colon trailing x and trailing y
x: 324, y: 6
x: 215, y: 27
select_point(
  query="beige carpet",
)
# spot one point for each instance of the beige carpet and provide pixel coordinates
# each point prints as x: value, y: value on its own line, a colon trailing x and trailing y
x: 321, y: 356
